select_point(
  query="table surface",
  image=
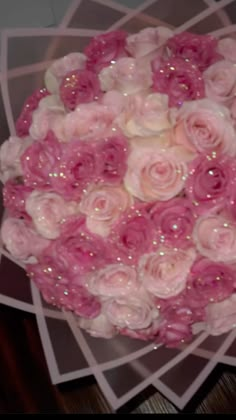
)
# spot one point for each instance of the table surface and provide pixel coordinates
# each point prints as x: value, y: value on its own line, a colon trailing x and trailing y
x: 25, y: 386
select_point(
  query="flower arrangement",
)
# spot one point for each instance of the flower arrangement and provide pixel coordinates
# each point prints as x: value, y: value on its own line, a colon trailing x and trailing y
x: 120, y: 185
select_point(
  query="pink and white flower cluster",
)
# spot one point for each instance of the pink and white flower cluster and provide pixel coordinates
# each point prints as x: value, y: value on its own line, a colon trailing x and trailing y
x: 120, y: 186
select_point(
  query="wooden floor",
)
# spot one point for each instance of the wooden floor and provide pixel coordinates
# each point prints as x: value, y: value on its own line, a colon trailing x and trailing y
x: 25, y: 386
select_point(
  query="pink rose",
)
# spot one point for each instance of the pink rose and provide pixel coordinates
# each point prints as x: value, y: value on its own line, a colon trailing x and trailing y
x: 48, y: 211
x: 164, y: 273
x: 227, y: 48
x: 14, y: 196
x: 204, y: 127
x: 105, y: 49
x: 133, y: 312
x: 148, y: 41
x: 113, y: 281
x: 20, y: 240
x: 210, y: 181
x: 113, y: 100
x: 39, y: 160
x: 79, y: 87
x: 24, y: 120
x: 132, y: 236
x: 173, y: 221
x: 220, y: 81
x: 180, y: 80
x: 98, y: 327
x: 59, y: 68
x: 155, y: 174
x: 80, y: 250
x: 209, y: 282
x: 127, y: 75
x: 75, y: 170
x: 68, y: 296
x: 215, y: 238
x: 103, y: 205
x: 200, y: 50
x: 221, y: 316
x: 145, y: 115
x: 10, y: 154
x: 112, y: 154
x: 88, y: 121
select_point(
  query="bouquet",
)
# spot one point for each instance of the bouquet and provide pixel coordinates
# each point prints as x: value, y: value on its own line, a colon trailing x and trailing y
x: 119, y: 186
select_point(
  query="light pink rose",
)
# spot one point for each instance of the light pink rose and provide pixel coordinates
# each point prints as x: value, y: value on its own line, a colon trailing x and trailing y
x: 48, y: 211
x: 155, y: 174
x: 10, y: 154
x: 203, y: 126
x: 127, y: 75
x: 148, y: 41
x: 98, y: 327
x: 92, y: 120
x: 103, y: 205
x: 60, y: 67
x: 114, y: 100
x: 133, y: 312
x: 227, y: 48
x: 113, y: 281
x: 145, y: 115
x: 220, y: 81
x: 164, y: 273
x: 45, y: 117
x: 20, y: 240
x: 215, y: 238
x: 145, y: 334
x: 221, y: 316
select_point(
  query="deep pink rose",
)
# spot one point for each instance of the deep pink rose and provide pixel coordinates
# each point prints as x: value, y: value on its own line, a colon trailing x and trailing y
x: 210, y: 181
x: 112, y: 154
x: 176, y: 327
x: 14, y: 196
x: 77, y: 168
x: 199, y: 49
x: 145, y: 334
x: 81, y: 250
x: 23, y: 122
x: 180, y: 80
x: 39, y: 160
x: 79, y: 87
x: 209, y: 282
x: 104, y: 49
x: 173, y: 221
x: 132, y: 236
x: 68, y: 296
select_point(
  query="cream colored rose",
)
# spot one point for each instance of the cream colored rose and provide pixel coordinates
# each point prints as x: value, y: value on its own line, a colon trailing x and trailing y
x: 98, y: 327
x: 148, y: 41
x: 103, y: 205
x: 10, y: 153
x: 156, y: 174
x: 127, y: 75
x: 145, y: 115
x: 60, y: 67
x: 48, y: 210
